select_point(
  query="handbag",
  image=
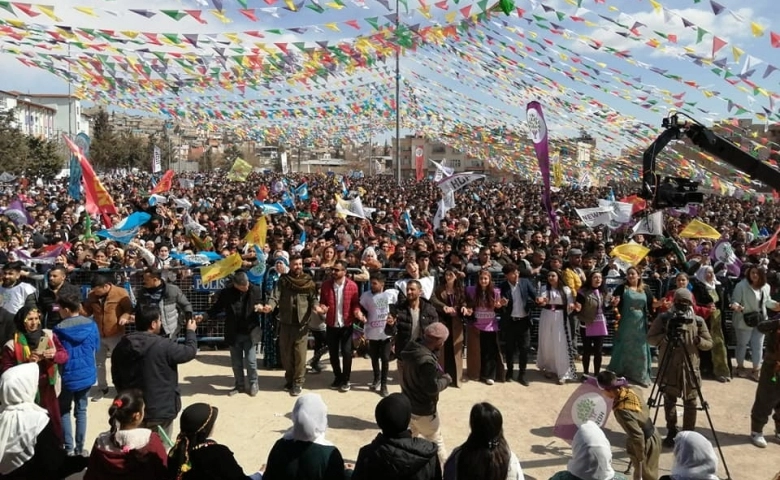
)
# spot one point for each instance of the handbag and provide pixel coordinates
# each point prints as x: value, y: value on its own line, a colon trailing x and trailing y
x: 752, y: 319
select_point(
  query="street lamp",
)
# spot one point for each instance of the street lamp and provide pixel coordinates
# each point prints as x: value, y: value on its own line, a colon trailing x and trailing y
x: 27, y: 119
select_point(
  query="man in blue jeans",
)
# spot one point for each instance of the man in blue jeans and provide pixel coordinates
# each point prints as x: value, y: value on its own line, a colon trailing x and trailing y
x: 241, y: 303
x: 80, y: 337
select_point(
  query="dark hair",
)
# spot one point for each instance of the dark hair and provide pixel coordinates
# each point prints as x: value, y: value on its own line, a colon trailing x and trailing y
x: 154, y: 272
x: 441, y: 288
x: 145, y: 316
x: 295, y: 257
x: 484, y: 297
x: 100, y: 281
x: 605, y: 378
x: 15, y: 266
x: 196, y: 423
x: 509, y: 268
x: 378, y: 276
x: 70, y: 301
x: 485, y: 455
x: 761, y: 276
x: 125, y: 405
x: 240, y: 278
x: 342, y: 263
x: 58, y: 268
x: 588, y: 285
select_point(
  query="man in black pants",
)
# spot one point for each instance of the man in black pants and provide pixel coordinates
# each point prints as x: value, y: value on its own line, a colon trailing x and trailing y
x: 376, y: 305
x: 516, y: 319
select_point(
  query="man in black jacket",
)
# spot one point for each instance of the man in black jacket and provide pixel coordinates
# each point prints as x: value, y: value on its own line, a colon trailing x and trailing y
x: 168, y: 297
x: 422, y: 381
x: 146, y: 361
x: 409, y: 319
x: 395, y: 454
x: 520, y: 294
x: 58, y: 286
x: 241, y: 303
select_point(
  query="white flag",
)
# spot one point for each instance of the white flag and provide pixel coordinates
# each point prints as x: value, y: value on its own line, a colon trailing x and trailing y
x: 593, y: 217
x: 156, y: 160
x: 442, y: 171
x: 453, y: 183
x: 652, y: 224
x: 352, y: 207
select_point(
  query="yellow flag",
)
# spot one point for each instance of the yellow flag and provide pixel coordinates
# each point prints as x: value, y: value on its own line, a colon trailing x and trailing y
x: 239, y: 171
x: 632, y: 253
x: 758, y: 30
x: 257, y: 235
x: 699, y: 229
x: 221, y: 268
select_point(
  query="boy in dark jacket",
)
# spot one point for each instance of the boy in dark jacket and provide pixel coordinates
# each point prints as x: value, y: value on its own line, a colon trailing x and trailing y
x: 395, y: 454
x: 422, y: 382
x: 149, y: 362
x: 80, y: 337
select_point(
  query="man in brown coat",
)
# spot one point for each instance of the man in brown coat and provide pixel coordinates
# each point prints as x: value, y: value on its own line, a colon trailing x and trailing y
x: 111, y: 308
x: 768, y: 390
x: 677, y: 382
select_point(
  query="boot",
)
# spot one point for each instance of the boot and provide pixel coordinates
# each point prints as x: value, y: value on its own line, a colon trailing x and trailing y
x: 669, y: 440
x: 689, y: 419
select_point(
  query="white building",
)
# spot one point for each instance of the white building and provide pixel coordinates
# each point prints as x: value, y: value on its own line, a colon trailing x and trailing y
x: 69, y: 117
x: 32, y: 118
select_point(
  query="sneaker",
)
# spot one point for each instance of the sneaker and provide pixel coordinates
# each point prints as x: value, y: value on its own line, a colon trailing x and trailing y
x: 755, y: 374
x: 374, y: 386
x: 522, y: 381
x: 490, y: 381
x: 235, y: 391
x: 758, y: 439
x: 99, y: 394
x: 253, y: 390
x: 287, y: 387
x: 335, y: 385
x: 296, y: 391
x: 383, y: 391
x: 316, y: 367
x: 345, y: 387
x: 509, y: 377
x: 561, y: 381
x: 742, y: 372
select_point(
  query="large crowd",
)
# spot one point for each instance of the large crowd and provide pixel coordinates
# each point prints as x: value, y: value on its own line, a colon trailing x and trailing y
x: 390, y: 286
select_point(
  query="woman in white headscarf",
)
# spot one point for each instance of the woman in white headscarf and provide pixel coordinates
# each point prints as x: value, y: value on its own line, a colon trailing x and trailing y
x: 303, y: 453
x: 694, y: 458
x: 29, y: 447
x: 591, y: 456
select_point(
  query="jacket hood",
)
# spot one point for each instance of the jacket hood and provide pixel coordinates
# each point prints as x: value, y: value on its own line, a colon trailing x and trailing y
x: 140, y: 342
x: 75, y: 330
x: 415, y: 351
x: 401, y: 457
x: 117, y: 459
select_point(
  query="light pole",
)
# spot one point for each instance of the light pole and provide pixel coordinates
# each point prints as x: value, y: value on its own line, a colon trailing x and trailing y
x: 398, y: 93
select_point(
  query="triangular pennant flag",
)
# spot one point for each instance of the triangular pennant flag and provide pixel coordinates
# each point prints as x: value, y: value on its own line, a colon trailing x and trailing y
x: 716, y: 7
x: 717, y: 44
x: 175, y: 14
x: 756, y: 29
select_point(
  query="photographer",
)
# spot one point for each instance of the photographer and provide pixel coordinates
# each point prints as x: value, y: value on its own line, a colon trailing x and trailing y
x: 681, y: 326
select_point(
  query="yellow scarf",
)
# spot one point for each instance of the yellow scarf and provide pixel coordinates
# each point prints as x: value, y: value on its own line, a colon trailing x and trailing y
x: 627, y: 399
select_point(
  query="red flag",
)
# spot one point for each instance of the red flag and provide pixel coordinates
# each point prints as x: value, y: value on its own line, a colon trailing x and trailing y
x: 638, y: 203
x: 767, y: 247
x: 262, y: 193
x: 98, y: 198
x: 165, y: 183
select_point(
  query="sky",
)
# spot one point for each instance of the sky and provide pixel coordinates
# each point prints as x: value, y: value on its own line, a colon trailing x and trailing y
x: 484, y: 76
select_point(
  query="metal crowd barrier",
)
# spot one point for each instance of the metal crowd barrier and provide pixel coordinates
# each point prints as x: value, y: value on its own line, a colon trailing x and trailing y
x: 212, y: 330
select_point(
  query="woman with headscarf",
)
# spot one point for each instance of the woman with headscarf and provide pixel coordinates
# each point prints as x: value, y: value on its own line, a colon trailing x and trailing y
x: 694, y: 458
x: 195, y: 456
x: 33, y: 344
x: 716, y: 360
x: 303, y: 453
x: 29, y: 447
x: 486, y: 454
x: 395, y: 454
x: 271, y: 358
x: 591, y: 456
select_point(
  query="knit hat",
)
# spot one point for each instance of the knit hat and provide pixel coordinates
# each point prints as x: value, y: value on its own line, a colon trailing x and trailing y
x: 683, y: 294
x: 198, y: 418
x: 437, y: 331
x: 393, y: 414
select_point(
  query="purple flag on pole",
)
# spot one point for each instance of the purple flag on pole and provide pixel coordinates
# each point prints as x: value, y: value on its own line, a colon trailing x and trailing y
x: 17, y: 213
x: 538, y: 128
x: 723, y: 252
x: 588, y: 402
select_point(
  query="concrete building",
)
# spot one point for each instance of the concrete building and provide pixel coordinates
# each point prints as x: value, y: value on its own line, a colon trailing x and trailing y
x: 30, y: 117
x: 69, y: 116
x: 458, y: 161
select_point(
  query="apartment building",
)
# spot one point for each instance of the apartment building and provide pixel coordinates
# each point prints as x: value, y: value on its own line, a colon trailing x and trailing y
x: 31, y: 118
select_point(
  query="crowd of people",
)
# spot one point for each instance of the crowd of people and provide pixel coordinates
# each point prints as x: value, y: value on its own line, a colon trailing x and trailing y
x: 390, y: 286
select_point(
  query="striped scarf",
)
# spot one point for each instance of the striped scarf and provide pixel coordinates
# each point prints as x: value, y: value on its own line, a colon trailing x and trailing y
x: 22, y: 354
x: 627, y: 399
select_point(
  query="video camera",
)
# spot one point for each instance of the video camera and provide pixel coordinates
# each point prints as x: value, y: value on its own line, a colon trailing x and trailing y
x: 679, y: 319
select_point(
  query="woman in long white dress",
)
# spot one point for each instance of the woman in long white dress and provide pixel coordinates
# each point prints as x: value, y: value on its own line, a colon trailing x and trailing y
x: 554, y: 358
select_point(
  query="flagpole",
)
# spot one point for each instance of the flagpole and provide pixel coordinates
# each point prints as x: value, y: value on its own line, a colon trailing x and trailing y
x: 397, y: 93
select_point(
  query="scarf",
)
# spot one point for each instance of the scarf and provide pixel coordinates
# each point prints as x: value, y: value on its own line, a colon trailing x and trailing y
x: 22, y: 353
x: 155, y: 294
x: 627, y: 399
x: 303, y: 283
x: 21, y: 420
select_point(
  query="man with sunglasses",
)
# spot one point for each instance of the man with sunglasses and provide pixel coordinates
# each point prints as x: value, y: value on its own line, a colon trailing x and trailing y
x: 340, y: 304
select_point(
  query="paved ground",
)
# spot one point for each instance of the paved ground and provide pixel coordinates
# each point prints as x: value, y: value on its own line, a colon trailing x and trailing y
x: 250, y: 426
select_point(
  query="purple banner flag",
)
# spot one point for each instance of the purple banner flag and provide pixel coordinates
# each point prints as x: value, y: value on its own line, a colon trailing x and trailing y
x: 723, y: 252
x: 17, y: 213
x: 588, y: 402
x: 538, y: 128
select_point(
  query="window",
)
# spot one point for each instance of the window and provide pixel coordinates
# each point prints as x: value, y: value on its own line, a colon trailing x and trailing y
x: 454, y: 163
x: 438, y: 148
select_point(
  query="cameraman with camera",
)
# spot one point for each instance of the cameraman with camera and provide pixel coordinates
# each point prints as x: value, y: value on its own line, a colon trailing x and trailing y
x: 687, y: 334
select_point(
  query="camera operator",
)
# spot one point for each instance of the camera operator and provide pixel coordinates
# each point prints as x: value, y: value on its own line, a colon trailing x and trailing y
x: 682, y: 328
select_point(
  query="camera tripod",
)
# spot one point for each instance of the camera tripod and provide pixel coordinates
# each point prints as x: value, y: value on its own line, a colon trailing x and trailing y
x: 675, y: 342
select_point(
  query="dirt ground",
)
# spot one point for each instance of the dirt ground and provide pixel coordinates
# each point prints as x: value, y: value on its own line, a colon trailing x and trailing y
x: 250, y: 426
